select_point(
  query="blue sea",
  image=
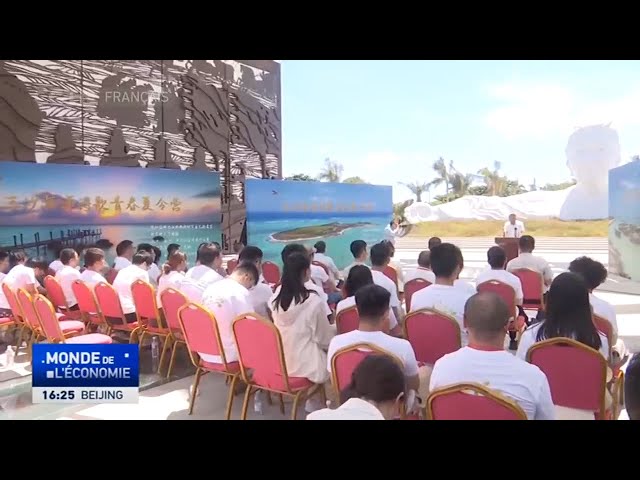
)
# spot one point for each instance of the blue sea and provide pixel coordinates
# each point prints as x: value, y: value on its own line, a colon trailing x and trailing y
x: 261, y: 226
x: 189, y: 236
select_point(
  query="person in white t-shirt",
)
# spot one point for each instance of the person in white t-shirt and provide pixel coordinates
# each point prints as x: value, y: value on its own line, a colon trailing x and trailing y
x: 393, y: 231
x: 5, y: 308
x: 376, y: 392
x: 444, y: 295
x: 95, y: 264
x: 154, y: 270
x: 322, y: 257
x: 423, y: 270
x: 594, y: 274
x: 486, y: 362
x: 22, y: 276
x: 359, y: 277
x: 140, y: 264
x: 69, y: 274
x: 513, y: 228
x: 359, y: 251
x: 261, y: 292
x: 56, y: 264
x: 172, y: 273
x: 380, y: 257
x: 228, y: 299
x: 526, y: 259
x: 322, y: 279
x: 124, y: 252
x: 198, y: 278
x: 395, y: 265
x: 372, y: 302
x: 310, y: 285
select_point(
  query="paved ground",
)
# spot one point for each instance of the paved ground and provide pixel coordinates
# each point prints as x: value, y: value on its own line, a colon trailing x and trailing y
x: 170, y: 400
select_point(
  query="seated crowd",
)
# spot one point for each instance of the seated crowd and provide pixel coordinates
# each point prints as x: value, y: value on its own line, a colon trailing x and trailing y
x: 312, y: 296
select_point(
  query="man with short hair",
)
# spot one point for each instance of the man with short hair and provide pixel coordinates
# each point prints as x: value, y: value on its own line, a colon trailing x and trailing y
x: 359, y: 251
x: 321, y: 256
x: 228, y: 299
x: 444, y: 295
x: 379, y: 260
x: 198, y: 278
x: 434, y: 242
x: 497, y: 260
x: 632, y: 388
x: 172, y: 248
x: 392, y: 231
x: 124, y: 252
x: 138, y: 269
x: 260, y: 293
x: 67, y: 275
x: 485, y: 361
x: 372, y: 302
x: 513, y: 228
x: 526, y: 259
x: 423, y: 270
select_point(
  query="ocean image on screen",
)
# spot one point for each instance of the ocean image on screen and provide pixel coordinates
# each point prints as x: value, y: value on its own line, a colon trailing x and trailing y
x: 47, y: 207
x: 281, y: 212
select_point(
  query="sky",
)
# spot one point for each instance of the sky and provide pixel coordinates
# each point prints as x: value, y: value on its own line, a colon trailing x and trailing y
x: 388, y: 121
x: 40, y: 194
x: 274, y: 196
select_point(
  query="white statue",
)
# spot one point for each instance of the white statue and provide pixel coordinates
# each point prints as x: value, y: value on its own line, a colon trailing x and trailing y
x: 591, y: 152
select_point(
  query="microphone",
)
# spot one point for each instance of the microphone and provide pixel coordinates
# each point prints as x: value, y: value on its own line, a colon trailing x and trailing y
x: 515, y: 232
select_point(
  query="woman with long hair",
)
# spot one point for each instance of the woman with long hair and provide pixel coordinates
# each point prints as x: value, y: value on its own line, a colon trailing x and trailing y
x: 299, y: 314
x: 172, y: 273
x: 376, y: 392
x: 360, y: 276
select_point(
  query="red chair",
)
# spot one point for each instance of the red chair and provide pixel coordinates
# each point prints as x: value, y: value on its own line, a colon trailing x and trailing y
x: 260, y: 349
x: 111, y: 275
x: 432, y: 334
x: 111, y: 311
x: 172, y: 301
x: 347, y: 320
x: 59, y: 301
x: 532, y: 288
x: 15, y: 321
x: 231, y: 265
x: 201, y: 334
x: 505, y: 291
x: 149, y: 317
x: 471, y: 401
x: 87, y: 303
x: 51, y: 326
x: 577, y: 374
x: 411, y: 287
x: 271, y: 273
x: 603, y: 325
x: 391, y: 273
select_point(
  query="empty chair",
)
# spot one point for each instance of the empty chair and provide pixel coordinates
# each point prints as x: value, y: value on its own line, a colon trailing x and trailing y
x: 432, y: 334
x: 51, y: 326
x: 87, y: 303
x: 471, y: 401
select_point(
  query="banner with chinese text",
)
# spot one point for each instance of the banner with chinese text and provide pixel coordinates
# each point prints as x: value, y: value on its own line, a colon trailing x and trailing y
x: 281, y: 212
x: 46, y: 207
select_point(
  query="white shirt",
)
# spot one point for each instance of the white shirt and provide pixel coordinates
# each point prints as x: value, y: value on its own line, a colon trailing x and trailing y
x: 120, y: 262
x: 400, y: 347
x: 154, y: 273
x: 197, y: 280
x: 122, y: 284
x: 351, y: 302
x: 513, y: 231
x: 390, y: 234
x: 318, y: 275
x: 382, y: 280
x: 532, y: 262
x: 259, y: 298
x: 4, y: 303
x: 20, y: 276
x: 504, y: 277
x: 173, y: 280
x: 92, y: 278
x: 226, y: 299
x: 528, y: 338
x: 345, y: 272
x: 325, y: 298
x: 605, y: 310
x: 56, y: 265
x: 446, y: 299
x: 329, y: 263
x: 498, y: 370
x: 420, y: 272
x: 65, y: 277
x: 352, y: 409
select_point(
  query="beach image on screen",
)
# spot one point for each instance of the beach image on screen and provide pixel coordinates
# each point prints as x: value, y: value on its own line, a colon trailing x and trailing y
x: 624, y: 224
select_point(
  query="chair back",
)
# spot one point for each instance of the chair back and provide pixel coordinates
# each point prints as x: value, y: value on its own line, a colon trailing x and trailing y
x: 14, y: 305
x: 532, y: 287
x: 604, y: 325
x: 347, y: 320
x: 271, y: 272
x: 144, y: 298
x: 87, y: 303
x: 26, y: 305
x: 48, y: 319
x: 231, y: 265
x: 55, y: 293
x: 111, y: 275
x: 200, y: 331
x: 391, y: 274
x: 260, y: 349
x: 411, y: 287
x: 432, y: 334
x: 172, y: 301
x: 577, y: 373
x: 345, y: 361
x: 471, y: 401
x: 109, y: 301
x: 503, y: 290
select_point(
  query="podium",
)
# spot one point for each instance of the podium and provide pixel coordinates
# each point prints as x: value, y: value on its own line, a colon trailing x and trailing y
x: 510, y: 246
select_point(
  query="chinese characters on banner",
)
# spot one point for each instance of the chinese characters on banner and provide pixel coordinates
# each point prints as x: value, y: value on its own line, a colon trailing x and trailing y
x: 101, y: 205
x: 327, y: 207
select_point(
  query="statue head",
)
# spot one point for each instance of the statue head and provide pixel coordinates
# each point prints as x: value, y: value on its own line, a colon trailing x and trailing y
x: 591, y: 152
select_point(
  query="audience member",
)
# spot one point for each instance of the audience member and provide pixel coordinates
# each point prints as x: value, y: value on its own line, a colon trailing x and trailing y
x: 228, y: 299
x: 22, y: 276
x: 300, y: 316
x: 56, y: 264
x: 396, y: 266
x: 424, y: 269
x: 260, y: 293
x: 376, y: 392
x: 5, y: 308
x: 433, y: 242
x: 124, y: 252
x: 69, y: 274
x: 632, y: 388
x: 321, y: 257
x: 154, y: 270
x: 95, y: 264
x: 360, y: 276
x: 486, y: 362
x: 379, y: 261
x: 138, y: 269
x: 444, y: 295
x: 359, y: 251
x: 372, y: 302
x: 205, y: 273
x: 172, y: 273
x: 172, y: 248
x: 526, y: 259
x: 310, y: 285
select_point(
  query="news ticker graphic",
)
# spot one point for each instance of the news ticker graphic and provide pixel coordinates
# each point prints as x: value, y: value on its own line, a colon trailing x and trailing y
x: 77, y: 373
